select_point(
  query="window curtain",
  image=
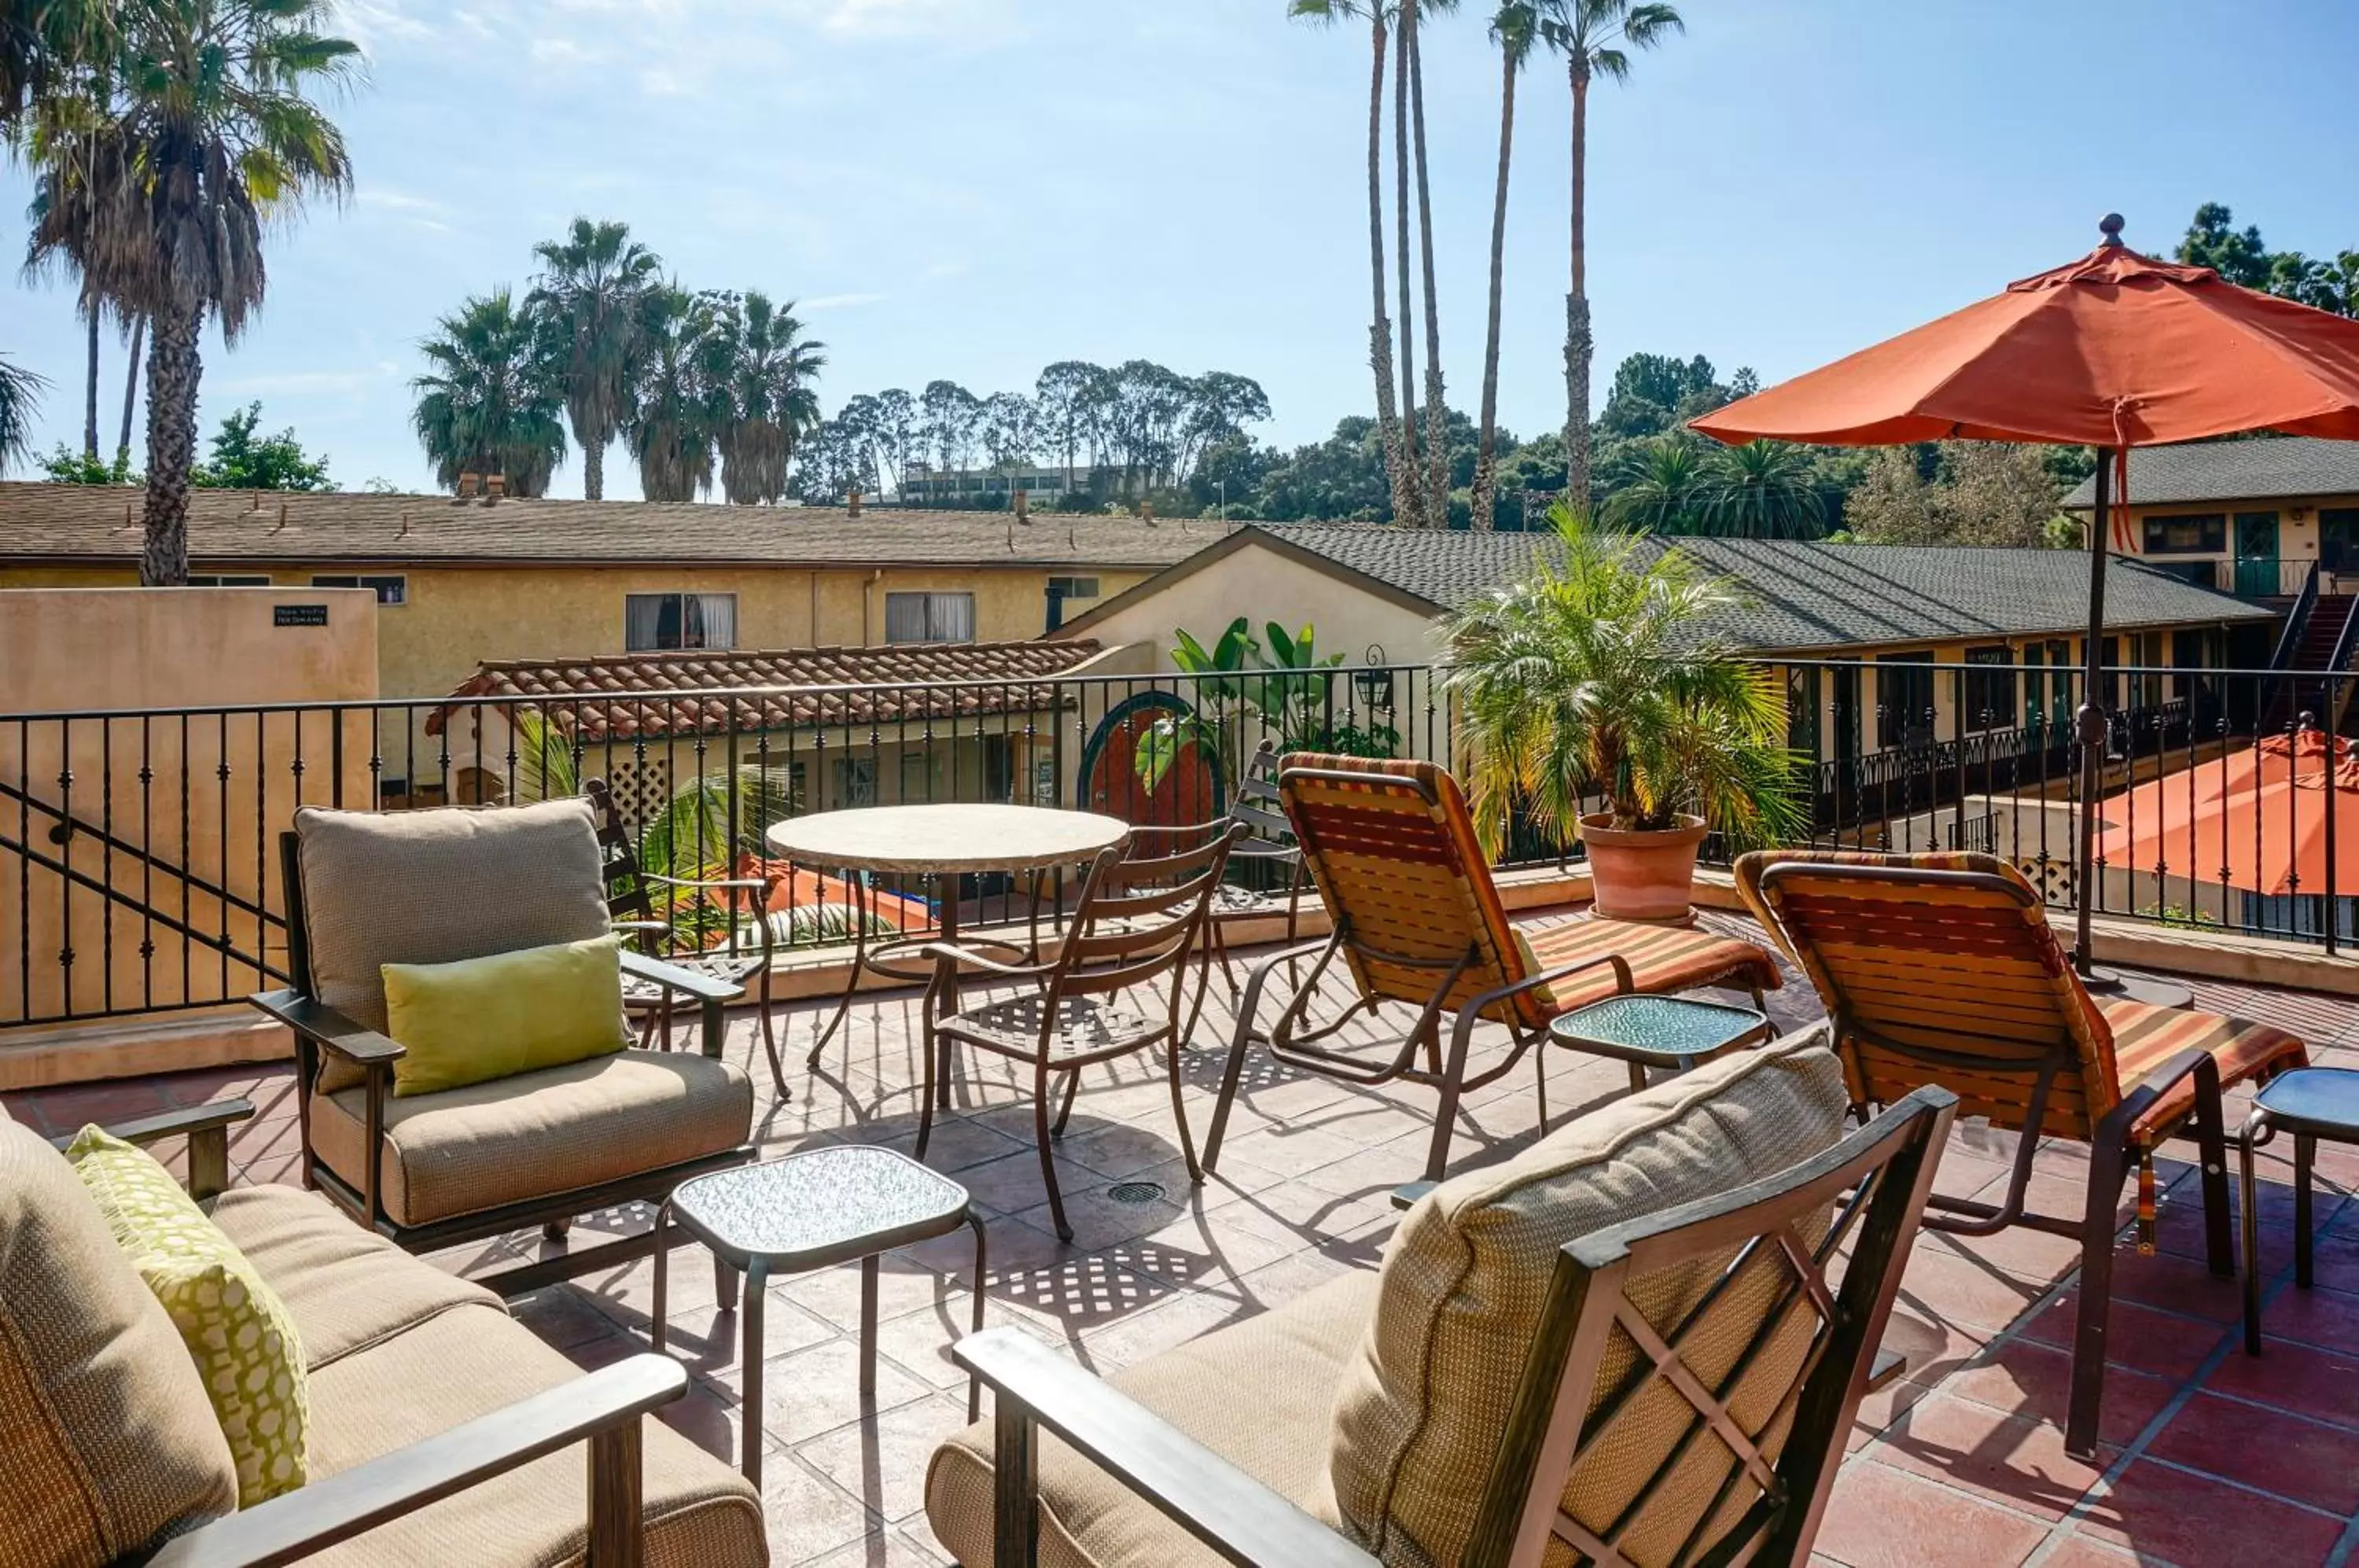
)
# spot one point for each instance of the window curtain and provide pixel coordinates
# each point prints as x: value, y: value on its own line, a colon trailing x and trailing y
x: 642, y: 622
x: 711, y: 621
x: 954, y: 617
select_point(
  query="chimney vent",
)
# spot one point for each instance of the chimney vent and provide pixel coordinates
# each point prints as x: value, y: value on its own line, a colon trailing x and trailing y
x: 496, y: 486
x: 852, y: 508
x: 467, y: 479
x: 1023, y: 503
x: 1146, y: 513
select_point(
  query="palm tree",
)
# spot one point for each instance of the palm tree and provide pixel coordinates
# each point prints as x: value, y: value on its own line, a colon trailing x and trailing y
x: 1763, y: 490
x: 1412, y: 489
x: 161, y: 207
x: 20, y: 394
x: 43, y: 45
x: 1596, y: 673
x: 1657, y: 485
x: 676, y: 419
x: 1379, y: 16
x: 1591, y: 35
x: 593, y: 291
x: 1437, y: 440
x: 767, y: 369
x: 1513, y: 29
x: 494, y: 402
x: 130, y: 391
x: 59, y: 130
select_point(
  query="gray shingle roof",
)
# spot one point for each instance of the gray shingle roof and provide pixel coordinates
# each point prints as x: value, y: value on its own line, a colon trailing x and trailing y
x: 2235, y: 471
x: 1814, y: 594
x: 230, y: 527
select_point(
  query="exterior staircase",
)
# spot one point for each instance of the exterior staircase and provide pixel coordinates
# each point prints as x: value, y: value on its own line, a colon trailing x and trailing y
x: 2324, y: 644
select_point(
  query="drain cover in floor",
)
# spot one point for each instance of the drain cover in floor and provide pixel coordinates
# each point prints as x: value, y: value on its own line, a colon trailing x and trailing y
x: 1134, y: 1191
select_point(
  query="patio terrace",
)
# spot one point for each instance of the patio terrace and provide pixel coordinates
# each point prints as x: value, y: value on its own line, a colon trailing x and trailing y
x: 2209, y: 1456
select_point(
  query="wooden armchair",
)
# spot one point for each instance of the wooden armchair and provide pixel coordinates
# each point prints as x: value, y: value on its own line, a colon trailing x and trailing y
x: 434, y: 1170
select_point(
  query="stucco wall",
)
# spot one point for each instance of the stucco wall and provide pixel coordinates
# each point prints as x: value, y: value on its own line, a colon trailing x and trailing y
x: 193, y: 843
x: 457, y: 617
x: 1263, y: 586
x: 2297, y: 545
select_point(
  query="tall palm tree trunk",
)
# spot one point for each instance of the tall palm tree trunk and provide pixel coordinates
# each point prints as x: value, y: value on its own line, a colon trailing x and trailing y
x: 593, y: 470
x: 133, y: 367
x: 89, y: 397
x: 1408, y: 496
x: 173, y: 369
x: 1437, y: 440
x: 1380, y: 328
x: 1577, y: 346
x: 1487, y: 443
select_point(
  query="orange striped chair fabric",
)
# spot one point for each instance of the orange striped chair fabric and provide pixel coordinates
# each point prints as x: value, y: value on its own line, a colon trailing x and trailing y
x: 1970, y: 970
x: 1391, y: 849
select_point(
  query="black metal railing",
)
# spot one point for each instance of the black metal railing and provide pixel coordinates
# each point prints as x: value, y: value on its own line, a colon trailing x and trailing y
x: 138, y: 870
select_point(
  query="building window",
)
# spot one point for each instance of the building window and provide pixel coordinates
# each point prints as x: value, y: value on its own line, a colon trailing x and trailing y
x: 2338, y: 537
x: 854, y: 778
x: 928, y: 617
x: 1990, y: 688
x: 229, y: 580
x: 654, y: 623
x: 917, y: 774
x: 393, y: 590
x: 2196, y: 533
x: 1904, y: 699
x: 1073, y: 587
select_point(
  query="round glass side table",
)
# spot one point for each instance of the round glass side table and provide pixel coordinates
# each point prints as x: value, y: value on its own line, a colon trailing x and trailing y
x: 1671, y: 1034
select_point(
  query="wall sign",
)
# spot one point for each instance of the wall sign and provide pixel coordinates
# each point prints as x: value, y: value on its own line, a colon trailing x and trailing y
x: 299, y: 614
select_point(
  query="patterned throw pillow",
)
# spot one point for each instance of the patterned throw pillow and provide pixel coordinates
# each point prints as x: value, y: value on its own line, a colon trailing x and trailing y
x: 236, y: 1328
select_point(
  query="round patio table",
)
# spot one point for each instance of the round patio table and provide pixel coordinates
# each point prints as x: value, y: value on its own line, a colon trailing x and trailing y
x: 947, y: 840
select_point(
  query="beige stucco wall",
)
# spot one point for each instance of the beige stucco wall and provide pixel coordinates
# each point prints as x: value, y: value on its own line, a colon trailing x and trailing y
x: 457, y: 617
x: 2297, y: 536
x: 194, y: 843
x: 1262, y: 585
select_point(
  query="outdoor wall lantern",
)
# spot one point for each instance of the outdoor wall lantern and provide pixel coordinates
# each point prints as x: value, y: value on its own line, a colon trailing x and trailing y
x: 1376, y: 682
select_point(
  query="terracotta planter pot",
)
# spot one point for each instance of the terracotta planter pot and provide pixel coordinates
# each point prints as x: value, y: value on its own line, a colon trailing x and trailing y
x: 1643, y: 876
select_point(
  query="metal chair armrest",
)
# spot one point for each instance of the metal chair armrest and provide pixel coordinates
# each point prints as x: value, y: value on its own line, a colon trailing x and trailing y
x: 2137, y: 1098
x: 205, y: 1127
x: 709, y: 885
x: 1220, y: 1504
x: 328, y: 1029
x: 951, y: 952
x: 673, y: 977
x: 604, y: 1405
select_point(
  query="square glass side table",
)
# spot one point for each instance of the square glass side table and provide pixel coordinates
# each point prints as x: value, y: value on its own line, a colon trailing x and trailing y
x: 813, y: 1209
x: 1672, y: 1033
x: 2307, y: 1104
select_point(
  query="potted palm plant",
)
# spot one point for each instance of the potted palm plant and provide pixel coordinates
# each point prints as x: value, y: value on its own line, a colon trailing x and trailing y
x: 1594, y: 698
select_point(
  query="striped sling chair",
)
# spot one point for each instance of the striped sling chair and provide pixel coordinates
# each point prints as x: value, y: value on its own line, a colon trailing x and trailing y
x: 1416, y: 921
x: 1942, y: 968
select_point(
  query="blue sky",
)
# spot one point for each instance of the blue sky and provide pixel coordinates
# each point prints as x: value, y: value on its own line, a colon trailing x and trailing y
x: 974, y: 188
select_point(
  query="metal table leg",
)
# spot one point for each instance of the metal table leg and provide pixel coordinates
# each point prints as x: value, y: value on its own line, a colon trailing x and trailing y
x: 656, y: 1331
x: 973, y: 1384
x: 758, y: 1275
x: 868, y: 1326
x: 2254, y: 1133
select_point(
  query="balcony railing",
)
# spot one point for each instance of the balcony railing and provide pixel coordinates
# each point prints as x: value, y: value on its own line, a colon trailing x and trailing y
x: 138, y: 865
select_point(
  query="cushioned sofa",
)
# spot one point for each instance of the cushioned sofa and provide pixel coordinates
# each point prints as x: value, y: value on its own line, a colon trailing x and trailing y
x: 442, y: 1431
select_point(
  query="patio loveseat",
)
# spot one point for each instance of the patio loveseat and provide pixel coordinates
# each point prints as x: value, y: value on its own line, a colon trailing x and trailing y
x: 440, y: 1428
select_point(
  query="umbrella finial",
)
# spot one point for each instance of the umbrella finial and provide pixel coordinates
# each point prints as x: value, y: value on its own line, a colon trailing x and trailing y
x: 2111, y: 226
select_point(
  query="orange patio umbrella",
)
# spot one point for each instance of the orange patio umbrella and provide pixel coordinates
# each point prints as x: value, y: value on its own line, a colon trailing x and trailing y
x: 2255, y: 819
x: 2115, y: 350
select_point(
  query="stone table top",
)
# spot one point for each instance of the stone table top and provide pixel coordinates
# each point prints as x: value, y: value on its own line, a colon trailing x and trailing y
x: 820, y: 1206
x: 946, y: 838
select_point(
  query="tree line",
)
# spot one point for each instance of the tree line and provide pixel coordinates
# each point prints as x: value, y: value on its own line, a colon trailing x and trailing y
x: 1118, y: 433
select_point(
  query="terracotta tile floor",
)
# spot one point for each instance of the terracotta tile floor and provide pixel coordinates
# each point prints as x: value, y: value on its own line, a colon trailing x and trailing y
x: 2210, y: 1456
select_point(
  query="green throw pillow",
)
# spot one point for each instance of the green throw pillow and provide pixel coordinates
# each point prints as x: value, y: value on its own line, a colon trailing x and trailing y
x: 236, y: 1327
x: 482, y: 1018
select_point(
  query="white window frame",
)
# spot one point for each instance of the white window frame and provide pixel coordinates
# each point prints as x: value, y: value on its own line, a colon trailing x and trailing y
x: 938, y: 615
x: 707, y: 642
x: 392, y: 587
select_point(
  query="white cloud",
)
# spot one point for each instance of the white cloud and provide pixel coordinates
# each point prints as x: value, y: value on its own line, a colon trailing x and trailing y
x: 836, y: 301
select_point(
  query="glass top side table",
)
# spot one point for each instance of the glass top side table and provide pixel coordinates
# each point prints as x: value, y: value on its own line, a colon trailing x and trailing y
x: 1672, y: 1033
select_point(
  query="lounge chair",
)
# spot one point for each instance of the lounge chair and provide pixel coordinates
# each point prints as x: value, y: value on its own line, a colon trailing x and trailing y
x: 1940, y: 968
x: 1418, y: 921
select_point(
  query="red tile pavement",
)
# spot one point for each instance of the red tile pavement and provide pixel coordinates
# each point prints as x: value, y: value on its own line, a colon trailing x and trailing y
x: 2210, y: 1455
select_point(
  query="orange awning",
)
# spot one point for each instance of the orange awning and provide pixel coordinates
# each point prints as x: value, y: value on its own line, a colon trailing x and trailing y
x: 2255, y: 819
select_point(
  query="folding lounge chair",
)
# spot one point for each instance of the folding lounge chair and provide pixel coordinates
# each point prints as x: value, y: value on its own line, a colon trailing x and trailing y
x: 1941, y: 969
x: 1418, y: 921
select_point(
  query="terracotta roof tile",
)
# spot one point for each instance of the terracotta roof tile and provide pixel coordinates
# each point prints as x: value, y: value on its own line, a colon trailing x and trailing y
x: 643, y: 695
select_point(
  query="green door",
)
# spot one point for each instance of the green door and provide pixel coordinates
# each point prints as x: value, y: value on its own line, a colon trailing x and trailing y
x: 2256, y: 555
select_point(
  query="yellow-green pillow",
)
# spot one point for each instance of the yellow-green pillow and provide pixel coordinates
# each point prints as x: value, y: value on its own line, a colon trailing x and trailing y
x: 482, y: 1018
x: 236, y: 1327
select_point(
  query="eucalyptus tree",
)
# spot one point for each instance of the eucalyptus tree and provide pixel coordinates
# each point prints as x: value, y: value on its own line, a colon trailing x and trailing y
x: 1220, y: 403
x: 899, y: 433
x: 1060, y: 398
x: 676, y: 412
x: 593, y: 291
x: 1596, y: 37
x: 1379, y: 16
x: 492, y: 400
x: 20, y: 396
x: 1009, y: 427
x: 948, y: 415
x: 766, y: 372
x: 1514, y: 29
x: 212, y: 132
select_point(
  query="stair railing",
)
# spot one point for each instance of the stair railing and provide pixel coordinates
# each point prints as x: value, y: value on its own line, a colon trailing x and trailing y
x: 2297, y: 621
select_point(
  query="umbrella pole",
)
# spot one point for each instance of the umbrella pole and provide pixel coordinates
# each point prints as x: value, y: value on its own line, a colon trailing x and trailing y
x: 2089, y: 722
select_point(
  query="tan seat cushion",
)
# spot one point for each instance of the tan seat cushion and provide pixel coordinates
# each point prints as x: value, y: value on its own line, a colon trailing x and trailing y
x: 346, y: 1287
x: 1260, y: 1393
x: 107, y: 1441
x: 538, y: 1134
x: 434, y: 886
x: 1423, y: 1403
x: 466, y: 1363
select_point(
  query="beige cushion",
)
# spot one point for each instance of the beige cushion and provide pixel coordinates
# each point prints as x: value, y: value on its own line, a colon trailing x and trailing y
x: 538, y: 1134
x: 107, y: 1442
x: 437, y: 886
x: 1423, y: 1404
x: 1259, y: 1393
x: 469, y: 1362
x: 346, y: 1287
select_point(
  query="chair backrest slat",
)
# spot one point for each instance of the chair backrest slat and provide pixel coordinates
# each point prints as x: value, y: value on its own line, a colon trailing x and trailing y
x: 1138, y: 918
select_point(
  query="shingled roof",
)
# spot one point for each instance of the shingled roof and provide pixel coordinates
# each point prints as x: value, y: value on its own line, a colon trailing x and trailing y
x: 1802, y: 596
x: 82, y: 523
x: 2234, y: 471
x: 644, y: 696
